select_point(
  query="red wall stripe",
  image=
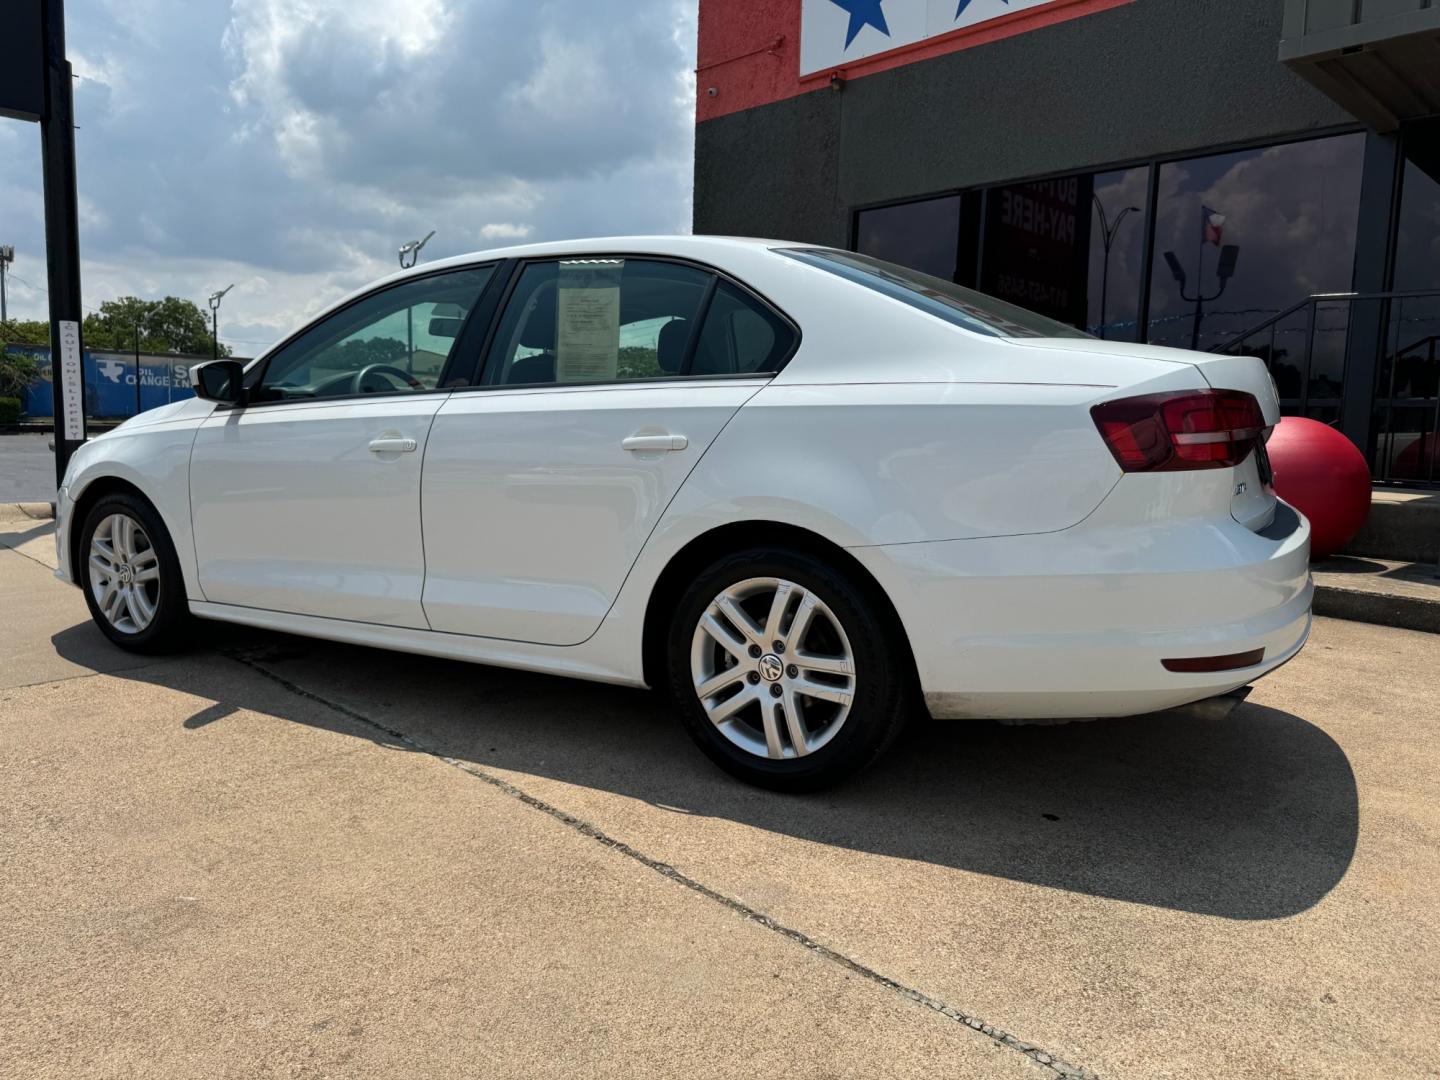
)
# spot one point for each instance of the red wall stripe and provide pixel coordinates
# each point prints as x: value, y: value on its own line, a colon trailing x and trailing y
x: 749, y: 50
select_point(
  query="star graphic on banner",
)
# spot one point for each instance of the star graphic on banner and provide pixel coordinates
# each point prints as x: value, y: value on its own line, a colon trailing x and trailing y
x: 865, y: 13
x: 966, y: 3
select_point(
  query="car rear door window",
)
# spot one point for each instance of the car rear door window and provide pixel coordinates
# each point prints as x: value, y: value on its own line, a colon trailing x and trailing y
x: 740, y: 336
x: 595, y: 320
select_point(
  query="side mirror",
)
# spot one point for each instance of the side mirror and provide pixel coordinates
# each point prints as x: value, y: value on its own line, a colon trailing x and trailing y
x: 221, y: 381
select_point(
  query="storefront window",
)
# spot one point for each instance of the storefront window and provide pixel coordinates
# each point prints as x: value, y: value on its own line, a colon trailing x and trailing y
x: 1242, y: 236
x: 1071, y: 249
x: 1406, y: 403
x: 922, y: 235
x: 1037, y: 246
x: 1117, y: 252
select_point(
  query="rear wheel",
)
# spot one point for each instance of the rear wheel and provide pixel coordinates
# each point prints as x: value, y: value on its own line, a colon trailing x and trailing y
x: 785, y: 671
x: 131, y: 576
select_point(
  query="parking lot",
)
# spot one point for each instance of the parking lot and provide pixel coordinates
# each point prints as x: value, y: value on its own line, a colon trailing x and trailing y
x: 29, y: 472
x: 280, y: 857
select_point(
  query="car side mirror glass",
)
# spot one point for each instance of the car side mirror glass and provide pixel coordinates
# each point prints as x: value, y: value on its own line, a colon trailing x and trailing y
x: 219, y: 380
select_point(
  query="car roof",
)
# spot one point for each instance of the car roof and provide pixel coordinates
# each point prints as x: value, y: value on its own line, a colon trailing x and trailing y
x: 691, y: 246
x: 701, y: 248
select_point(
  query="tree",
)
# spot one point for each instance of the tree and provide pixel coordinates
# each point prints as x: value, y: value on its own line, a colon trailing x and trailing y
x: 354, y: 355
x: 24, y: 332
x: 168, y: 325
x: 17, y: 371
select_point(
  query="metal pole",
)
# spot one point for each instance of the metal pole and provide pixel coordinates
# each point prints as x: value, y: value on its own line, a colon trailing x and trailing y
x: 1104, y: 287
x: 62, y: 241
x: 1199, y: 284
x: 215, y: 299
x: 4, y: 315
x: 136, y: 328
x: 1147, y: 253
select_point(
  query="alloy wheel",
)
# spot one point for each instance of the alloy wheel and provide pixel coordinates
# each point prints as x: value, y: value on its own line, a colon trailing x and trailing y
x: 124, y: 573
x: 773, y: 668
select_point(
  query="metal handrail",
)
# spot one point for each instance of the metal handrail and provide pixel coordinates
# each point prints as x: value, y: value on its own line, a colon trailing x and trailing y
x: 1319, y: 298
x: 1382, y: 451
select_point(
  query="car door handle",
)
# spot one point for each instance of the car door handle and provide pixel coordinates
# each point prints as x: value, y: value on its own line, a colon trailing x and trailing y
x: 392, y: 444
x: 654, y: 442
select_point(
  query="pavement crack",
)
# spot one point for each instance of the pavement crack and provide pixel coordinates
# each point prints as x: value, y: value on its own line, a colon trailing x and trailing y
x: 23, y: 555
x: 1003, y: 1038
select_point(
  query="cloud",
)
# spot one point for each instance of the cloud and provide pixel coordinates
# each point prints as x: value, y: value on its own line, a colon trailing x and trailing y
x: 295, y: 144
x: 505, y: 230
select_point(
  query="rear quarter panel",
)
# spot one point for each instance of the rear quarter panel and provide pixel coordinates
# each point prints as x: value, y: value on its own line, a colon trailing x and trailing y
x: 909, y: 462
x: 891, y: 464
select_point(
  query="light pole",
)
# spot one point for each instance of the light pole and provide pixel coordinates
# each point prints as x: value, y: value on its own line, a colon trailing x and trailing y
x: 215, y: 298
x: 1224, y: 270
x: 409, y: 255
x: 410, y: 251
x: 1108, y: 230
x: 7, y: 256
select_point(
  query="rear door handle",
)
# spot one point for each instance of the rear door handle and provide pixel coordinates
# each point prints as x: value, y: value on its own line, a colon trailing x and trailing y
x: 654, y: 442
x: 392, y: 444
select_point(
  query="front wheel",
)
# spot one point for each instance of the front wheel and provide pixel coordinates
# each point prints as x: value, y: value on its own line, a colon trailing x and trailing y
x: 131, y: 576
x: 786, y: 673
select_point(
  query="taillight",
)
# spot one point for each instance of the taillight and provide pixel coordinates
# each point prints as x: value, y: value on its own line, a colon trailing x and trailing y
x: 1185, y: 429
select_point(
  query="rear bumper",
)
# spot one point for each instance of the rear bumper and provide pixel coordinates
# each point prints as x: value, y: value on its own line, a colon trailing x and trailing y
x: 1076, y: 623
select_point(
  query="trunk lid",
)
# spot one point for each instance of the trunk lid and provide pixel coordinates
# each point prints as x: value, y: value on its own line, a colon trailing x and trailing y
x: 1252, y: 499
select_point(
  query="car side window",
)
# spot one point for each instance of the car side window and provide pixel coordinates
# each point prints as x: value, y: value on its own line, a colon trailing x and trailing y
x: 395, y: 340
x: 740, y: 336
x: 597, y: 320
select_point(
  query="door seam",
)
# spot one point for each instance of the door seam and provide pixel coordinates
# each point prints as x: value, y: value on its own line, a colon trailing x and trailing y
x: 661, y: 517
x: 420, y: 509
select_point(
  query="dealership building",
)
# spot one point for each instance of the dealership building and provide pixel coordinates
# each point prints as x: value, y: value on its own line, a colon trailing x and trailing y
x: 1257, y: 176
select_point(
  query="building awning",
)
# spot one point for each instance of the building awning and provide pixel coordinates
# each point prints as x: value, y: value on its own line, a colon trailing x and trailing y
x: 1379, y: 59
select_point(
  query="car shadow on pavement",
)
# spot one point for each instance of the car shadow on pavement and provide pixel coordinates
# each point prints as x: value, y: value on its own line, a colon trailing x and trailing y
x: 1251, y: 817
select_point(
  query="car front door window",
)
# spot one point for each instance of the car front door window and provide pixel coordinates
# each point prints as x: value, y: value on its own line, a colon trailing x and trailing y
x: 397, y: 340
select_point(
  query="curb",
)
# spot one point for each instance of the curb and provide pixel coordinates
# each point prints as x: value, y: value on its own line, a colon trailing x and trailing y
x: 1405, y: 612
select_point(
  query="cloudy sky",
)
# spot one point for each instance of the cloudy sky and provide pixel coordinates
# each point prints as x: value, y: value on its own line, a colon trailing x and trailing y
x: 289, y: 146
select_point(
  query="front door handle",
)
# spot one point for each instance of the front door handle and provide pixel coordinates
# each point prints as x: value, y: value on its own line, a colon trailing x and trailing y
x: 654, y: 442
x: 392, y: 444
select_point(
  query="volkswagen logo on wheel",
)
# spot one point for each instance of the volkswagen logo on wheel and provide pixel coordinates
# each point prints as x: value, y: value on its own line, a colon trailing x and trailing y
x: 771, y: 668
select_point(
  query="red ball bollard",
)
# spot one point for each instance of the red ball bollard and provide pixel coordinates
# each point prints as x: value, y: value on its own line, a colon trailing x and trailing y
x: 1320, y: 473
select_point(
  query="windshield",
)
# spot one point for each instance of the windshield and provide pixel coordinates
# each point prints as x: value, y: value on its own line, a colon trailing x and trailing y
x: 966, y: 308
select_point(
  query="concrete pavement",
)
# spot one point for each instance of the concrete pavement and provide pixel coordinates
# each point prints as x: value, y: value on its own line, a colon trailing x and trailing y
x: 29, y: 470
x: 274, y: 856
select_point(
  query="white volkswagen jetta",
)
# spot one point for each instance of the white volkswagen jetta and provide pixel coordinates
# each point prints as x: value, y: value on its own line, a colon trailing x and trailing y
x: 792, y: 485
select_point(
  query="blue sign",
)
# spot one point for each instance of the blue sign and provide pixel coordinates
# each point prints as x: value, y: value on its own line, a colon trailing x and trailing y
x: 110, y: 383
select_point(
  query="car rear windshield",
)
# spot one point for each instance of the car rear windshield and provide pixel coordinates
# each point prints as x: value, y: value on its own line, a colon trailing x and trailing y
x: 955, y: 304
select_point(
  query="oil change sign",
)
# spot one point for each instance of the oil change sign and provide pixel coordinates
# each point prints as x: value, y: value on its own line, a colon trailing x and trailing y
x: 836, y: 32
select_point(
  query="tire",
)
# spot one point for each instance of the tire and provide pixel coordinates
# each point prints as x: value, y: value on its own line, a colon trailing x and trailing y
x: 145, y: 608
x: 859, y: 711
